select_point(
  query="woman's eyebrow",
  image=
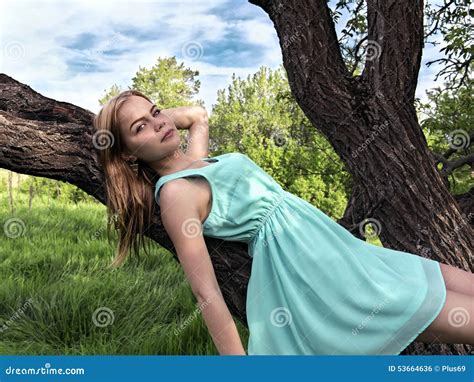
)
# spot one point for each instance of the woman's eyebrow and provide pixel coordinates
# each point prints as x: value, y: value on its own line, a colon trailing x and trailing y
x: 139, y: 119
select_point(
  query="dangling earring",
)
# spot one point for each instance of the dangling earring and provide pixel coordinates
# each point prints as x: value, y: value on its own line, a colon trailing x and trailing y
x: 134, y: 167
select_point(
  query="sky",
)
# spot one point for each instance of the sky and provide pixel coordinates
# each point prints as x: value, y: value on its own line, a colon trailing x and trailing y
x: 74, y: 51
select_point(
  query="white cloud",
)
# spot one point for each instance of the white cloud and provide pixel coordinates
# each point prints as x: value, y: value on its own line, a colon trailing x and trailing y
x: 33, y: 55
x: 33, y: 37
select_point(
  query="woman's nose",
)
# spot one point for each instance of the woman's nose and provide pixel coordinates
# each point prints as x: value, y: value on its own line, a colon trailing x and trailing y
x: 159, y: 125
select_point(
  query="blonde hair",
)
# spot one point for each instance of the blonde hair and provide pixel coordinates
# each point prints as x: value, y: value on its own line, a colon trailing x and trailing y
x: 129, y: 195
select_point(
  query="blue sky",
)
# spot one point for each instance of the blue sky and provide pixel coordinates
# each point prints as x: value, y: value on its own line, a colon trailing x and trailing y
x: 74, y: 50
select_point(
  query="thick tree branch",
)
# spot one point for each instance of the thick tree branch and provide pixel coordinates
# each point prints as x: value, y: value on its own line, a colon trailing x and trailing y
x: 395, y: 33
x: 380, y: 142
x: 311, y: 56
x: 371, y: 122
x: 47, y: 138
x: 450, y: 166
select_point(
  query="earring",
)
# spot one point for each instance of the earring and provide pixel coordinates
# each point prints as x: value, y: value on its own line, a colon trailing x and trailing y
x: 134, y: 166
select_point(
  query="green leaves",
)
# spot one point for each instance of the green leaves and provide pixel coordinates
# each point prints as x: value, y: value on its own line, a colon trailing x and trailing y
x: 260, y: 117
x: 167, y: 83
x: 449, y: 116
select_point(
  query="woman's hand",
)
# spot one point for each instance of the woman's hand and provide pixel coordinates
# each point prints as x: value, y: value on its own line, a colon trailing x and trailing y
x: 186, y: 116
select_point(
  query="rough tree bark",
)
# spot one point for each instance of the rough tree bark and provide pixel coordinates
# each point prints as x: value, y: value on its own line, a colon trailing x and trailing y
x: 394, y: 178
x: 43, y: 137
x: 371, y: 122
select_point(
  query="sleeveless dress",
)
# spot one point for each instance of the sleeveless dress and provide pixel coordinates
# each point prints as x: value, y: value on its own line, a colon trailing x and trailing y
x: 314, y: 288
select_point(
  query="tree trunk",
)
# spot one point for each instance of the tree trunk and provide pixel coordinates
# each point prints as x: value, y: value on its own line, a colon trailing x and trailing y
x: 371, y: 122
x: 466, y: 204
x: 30, y: 196
x: 52, y: 139
x: 10, y: 192
x: 369, y: 119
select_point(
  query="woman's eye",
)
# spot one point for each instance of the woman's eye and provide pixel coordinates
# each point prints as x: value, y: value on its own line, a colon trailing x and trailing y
x: 154, y: 114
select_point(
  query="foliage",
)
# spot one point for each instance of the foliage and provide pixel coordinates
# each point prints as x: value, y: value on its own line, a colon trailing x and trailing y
x: 450, y: 21
x: 449, y: 114
x: 112, y: 92
x: 166, y: 83
x: 259, y: 117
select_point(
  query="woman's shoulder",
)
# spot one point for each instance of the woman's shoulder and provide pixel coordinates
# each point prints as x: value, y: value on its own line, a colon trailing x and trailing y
x: 184, y: 198
x: 190, y: 193
x: 178, y: 192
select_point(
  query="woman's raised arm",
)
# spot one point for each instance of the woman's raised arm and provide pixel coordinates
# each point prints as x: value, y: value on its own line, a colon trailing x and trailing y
x: 195, y: 119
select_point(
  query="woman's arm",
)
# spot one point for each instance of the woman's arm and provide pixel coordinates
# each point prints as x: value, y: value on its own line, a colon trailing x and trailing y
x: 220, y: 323
x: 184, y: 117
x: 180, y: 217
x: 195, y: 119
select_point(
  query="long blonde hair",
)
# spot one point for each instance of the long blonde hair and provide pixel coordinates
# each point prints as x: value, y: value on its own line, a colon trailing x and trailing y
x: 129, y: 194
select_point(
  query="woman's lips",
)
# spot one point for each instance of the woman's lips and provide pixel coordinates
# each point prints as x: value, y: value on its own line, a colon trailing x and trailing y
x: 169, y: 133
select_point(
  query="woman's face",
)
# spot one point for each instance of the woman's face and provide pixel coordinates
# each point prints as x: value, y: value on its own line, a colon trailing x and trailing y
x: 142, y: 128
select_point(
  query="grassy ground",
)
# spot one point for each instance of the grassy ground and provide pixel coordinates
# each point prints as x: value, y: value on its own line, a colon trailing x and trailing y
x: 57, y: 297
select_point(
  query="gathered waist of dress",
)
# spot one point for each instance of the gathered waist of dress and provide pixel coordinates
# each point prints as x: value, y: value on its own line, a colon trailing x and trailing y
x: 271, y: 210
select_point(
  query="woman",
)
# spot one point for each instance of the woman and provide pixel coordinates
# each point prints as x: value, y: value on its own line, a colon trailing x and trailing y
x: 314, y: 287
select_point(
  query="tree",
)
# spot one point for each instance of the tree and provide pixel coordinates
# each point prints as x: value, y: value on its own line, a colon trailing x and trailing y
x: 167, y: 83
x: 258, y: 116
x: 447, y: 123
x: 112, y: 92
x: 369, y: 120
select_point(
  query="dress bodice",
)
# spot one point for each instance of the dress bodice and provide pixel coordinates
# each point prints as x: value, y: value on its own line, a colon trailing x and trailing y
x: 243, y: 195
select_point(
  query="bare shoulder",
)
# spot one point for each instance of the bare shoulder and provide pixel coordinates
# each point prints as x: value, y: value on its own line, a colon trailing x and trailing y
x: 183, y: 198
x: 181, y: 217
x: 177, y: 192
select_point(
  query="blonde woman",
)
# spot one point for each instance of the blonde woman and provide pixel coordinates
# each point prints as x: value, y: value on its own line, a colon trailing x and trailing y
x: 314, y: 287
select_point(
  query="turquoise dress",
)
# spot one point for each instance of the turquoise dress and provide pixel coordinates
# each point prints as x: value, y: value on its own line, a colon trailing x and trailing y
x: 314, y: 288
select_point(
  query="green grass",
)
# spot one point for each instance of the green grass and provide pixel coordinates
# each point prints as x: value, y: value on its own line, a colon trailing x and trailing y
x: 53, y: 278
